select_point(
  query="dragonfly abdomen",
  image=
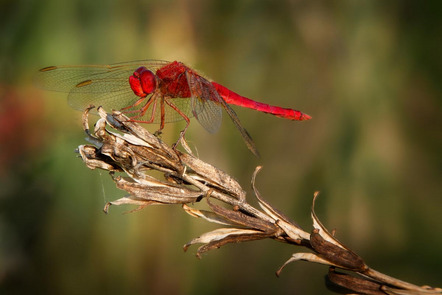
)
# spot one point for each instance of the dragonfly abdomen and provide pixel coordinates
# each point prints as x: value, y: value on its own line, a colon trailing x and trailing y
x: 234, y: 98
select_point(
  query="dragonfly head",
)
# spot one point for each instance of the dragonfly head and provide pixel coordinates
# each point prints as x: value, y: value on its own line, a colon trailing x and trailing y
x: 143, y: 82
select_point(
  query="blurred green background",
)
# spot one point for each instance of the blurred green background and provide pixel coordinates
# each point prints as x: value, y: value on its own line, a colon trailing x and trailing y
x: 368, y: 72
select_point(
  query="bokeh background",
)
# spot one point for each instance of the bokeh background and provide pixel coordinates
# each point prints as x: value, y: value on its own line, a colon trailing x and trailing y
x: 368, y: 72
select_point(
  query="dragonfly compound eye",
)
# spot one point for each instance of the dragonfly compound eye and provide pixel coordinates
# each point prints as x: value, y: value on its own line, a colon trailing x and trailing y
x: 142, y: 82
x: 148, y: 81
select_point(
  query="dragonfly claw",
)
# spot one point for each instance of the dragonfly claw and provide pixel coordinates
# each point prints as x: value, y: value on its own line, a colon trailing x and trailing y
x: 183, y: 142
x: 181, y: 138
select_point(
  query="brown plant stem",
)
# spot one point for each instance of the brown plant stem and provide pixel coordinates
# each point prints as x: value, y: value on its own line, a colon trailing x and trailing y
x: 123, y: 146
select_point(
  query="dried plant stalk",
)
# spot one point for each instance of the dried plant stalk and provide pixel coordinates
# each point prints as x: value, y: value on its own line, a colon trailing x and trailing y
x: 124, y: 146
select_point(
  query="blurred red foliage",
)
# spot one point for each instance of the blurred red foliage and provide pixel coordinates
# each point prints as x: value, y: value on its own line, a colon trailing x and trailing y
x: 22, y: 125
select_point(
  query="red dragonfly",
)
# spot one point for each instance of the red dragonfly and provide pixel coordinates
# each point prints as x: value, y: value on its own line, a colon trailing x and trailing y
x: 155, y: 91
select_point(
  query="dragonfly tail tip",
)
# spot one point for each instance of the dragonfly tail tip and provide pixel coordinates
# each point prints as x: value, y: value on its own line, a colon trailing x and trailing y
x: 305, y: 117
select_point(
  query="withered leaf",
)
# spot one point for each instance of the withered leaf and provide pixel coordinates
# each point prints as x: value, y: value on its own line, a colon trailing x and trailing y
x: 222, y: 236
x: 163, y: 194
x: 355, y: 284
x: 242, y: 219
x: 311, y: 257
x: 336, y: 255
x: 130, y: 200
x: 207, y: 215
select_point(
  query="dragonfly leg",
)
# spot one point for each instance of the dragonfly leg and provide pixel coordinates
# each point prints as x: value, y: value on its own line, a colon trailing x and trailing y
x: 143, y: 111
x: 162, y: 118
x: 140, y: 100
x: 135, y: 104
x: 152, y: 114
x: 163, y: 114
x: 183, y: 132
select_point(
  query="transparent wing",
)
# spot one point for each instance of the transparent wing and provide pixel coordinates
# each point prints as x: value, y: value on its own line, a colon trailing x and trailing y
x: 245, y: 135
x: 66, y: 78
x: 206, y: 110
x: 207, y: 103
x: 111, y: 94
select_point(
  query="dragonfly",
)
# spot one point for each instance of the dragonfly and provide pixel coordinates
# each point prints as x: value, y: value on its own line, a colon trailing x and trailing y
x: 156, y: 91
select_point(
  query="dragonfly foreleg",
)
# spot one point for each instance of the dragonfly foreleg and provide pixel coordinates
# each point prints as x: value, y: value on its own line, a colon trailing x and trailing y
x: 140, y: 100
x: 183, y: 132
x: 141, y: 112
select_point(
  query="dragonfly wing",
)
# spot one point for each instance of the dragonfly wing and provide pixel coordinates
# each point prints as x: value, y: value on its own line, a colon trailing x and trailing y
x: 245, y: 135
x: 111, y: 94
x: 65, y: 78
x: 208, y: 114
x: 207, y: 111
x: 206, y: 105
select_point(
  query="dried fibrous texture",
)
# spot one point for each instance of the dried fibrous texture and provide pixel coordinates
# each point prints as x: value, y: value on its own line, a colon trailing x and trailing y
x: 120, y: 145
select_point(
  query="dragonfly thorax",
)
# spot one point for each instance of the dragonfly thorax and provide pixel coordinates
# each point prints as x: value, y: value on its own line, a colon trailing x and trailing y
x: 143, y: 82
x: 173, y: 80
